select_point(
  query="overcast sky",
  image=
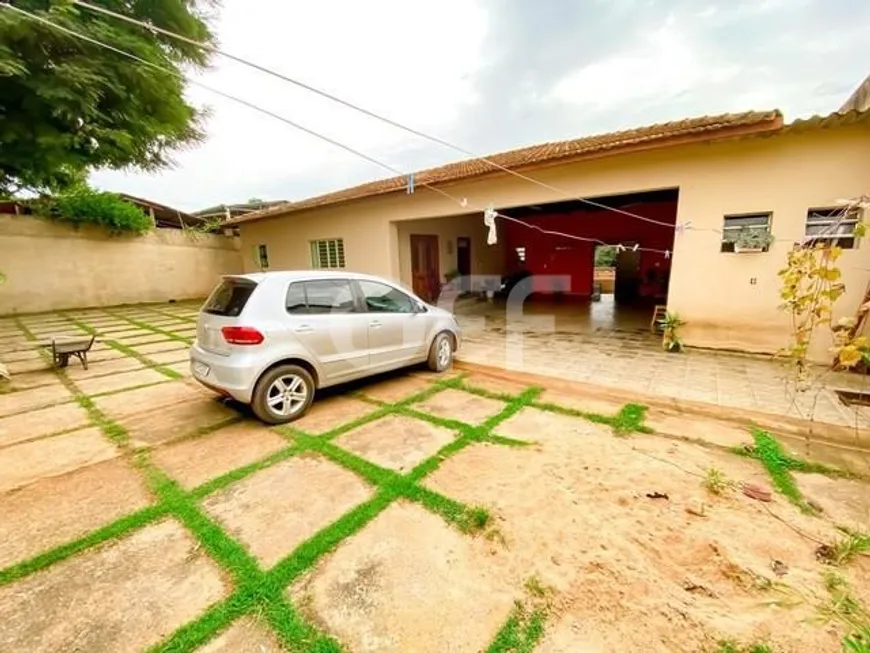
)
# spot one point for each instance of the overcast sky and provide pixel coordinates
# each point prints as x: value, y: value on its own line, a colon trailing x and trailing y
x: 489, y: 75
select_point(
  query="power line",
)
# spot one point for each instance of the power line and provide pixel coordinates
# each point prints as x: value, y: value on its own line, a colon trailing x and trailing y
x: 463, y: 203
x: 393, y: 123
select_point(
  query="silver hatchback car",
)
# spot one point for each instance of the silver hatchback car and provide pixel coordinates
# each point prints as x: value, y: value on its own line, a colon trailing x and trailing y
x: 272, y: 339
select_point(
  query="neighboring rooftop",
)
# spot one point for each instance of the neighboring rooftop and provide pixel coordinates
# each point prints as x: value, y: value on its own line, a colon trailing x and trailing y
x: 679, y: 132
x: 860, y: 99
x: 227, y: 211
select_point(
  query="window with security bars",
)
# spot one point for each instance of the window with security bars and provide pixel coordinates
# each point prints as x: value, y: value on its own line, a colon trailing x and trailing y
x: 327, y: 254
x: 832, y: 227
x: 747, y: 227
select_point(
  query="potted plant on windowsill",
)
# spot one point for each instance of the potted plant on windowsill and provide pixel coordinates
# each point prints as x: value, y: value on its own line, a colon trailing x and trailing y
x: 752, y: 240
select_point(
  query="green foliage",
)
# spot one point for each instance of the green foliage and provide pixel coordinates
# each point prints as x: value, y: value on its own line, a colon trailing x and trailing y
x: 70, y: 106
x: 777, y: 464
x: 671, y: 324
x: 83, y: 205
x: 848, y: 547
x: 605, y: 256
x: 730, y: 646
x: 715, y: 481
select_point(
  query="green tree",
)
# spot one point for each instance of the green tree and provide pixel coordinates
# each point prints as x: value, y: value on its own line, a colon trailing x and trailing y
x: 605, y: 256
x: 68, y: 106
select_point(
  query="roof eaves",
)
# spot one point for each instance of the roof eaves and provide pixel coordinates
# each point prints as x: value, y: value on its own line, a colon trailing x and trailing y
x: 654, y: 136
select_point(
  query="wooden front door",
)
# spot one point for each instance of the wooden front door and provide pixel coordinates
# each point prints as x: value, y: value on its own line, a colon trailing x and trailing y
x: 425, y: 271
x: 463, y: 262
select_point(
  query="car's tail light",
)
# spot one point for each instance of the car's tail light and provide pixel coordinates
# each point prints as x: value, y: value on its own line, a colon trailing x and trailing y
x: 240, y: 335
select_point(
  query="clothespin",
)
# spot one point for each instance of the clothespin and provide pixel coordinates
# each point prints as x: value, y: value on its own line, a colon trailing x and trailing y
x: 620, y: 247
x: 489, y: 216
x: 411, y: 184
x: 667, y: 253
x: 636, y: 245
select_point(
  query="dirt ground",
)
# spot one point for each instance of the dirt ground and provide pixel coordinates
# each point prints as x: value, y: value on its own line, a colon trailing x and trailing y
x: 411, y: 513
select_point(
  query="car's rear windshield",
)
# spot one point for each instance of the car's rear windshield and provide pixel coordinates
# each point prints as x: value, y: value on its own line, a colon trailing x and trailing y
x: 229, y: 298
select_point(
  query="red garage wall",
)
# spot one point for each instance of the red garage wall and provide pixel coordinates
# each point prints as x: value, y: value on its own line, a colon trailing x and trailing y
x: 557, y: 255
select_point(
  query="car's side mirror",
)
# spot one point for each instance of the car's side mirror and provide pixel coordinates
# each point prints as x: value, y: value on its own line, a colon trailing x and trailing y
x: 419, y: 307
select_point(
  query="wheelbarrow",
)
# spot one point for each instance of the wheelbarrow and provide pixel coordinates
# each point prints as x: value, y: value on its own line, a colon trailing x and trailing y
x: 64, y: 347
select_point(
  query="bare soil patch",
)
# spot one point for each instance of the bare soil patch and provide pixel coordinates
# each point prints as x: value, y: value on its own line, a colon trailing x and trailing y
x: 331, y: 412
x: 123, y: 596
x: 38, y: 423
x: 27, y: 462
x: 275, y: 510
x: 634, y: 572
x: 60, y: 509
x: 195, y: 461
x: 396, y: 442
x: 462, y: 406
x: 408, y: 582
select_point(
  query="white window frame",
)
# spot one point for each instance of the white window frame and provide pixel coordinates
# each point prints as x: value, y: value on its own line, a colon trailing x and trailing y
x: 328, y: 254
x: 849, y: 219
x: 735, y: 229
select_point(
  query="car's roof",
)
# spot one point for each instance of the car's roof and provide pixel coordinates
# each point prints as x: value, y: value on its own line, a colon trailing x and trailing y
x: 292, y: 275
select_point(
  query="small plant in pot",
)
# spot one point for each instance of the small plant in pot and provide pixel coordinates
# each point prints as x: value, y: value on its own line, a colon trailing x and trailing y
x: 670, y: 325
x: 752, y: 240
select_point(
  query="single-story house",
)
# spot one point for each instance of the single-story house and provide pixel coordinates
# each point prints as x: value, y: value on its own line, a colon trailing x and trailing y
x: 696, y: 181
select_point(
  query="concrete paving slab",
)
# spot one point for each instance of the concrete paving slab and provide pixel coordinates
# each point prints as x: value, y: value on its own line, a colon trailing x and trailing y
x: 104, y: 367
x: 157, y: 347
x: 110, y: 383
x: 38, y: 423
x: 462, y: 406
x: 26, y: 380
x: 395, y: 389
x: 277, y: 509
x: 396, y: 442
x: 532, y: 424
x: 60, y: 509
x: 153, y: 399
x: 725, y: 434
x: 247, y: 635
x: 27, y: 462
x: 19, y: 402
x: 170, y: 357
x: 587, y: 404
x: 408, y: 582
x: 84, y: 603
x: 195, y: 461
x: 332, y: 412
x: 176, y: 421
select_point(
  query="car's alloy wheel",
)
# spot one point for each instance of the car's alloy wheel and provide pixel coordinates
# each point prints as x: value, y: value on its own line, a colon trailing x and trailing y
x: 441, y: 353
x: 283, y: 394
x: 287, y: 395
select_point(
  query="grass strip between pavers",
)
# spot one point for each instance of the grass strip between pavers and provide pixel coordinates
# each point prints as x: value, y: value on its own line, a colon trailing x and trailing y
x: 124, y: 349
x: 262, y: 591
x: 170, y: 335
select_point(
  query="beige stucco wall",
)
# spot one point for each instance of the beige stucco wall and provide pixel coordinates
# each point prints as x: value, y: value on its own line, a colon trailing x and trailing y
x: 485, y: 259
x: 51, y: 266
x: 714, y: 292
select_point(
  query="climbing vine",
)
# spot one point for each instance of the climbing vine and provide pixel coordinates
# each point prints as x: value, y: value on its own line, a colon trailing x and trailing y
x: 811, y: 286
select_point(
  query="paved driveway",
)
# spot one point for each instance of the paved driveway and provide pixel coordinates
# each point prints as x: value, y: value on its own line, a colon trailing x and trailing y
x: 411, y: 513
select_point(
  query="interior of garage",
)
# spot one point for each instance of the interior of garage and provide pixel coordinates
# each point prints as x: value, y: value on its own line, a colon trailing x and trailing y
x: 556, y: 245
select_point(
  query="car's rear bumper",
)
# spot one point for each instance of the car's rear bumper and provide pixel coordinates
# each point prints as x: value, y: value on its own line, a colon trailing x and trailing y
x: 224, y: 374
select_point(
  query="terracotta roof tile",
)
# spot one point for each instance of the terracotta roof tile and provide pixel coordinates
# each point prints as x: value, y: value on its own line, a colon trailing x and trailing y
x: 660, y: 135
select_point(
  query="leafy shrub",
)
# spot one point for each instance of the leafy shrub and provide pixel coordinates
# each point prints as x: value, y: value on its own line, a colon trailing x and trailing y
x: 87, y: 206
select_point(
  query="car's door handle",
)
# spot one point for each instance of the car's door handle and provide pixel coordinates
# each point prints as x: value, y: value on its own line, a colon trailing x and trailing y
x: 375, y: 324
x: 303, y: 328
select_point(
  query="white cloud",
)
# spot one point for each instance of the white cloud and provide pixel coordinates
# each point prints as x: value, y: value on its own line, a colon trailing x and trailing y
x: 409, y: 61
x: 664, y: 64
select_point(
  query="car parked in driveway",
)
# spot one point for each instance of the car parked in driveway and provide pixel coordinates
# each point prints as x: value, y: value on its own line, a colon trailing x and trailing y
x: 272, y: 339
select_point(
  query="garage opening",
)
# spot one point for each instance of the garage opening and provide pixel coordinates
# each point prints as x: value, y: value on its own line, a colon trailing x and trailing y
x: 604, y: 266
